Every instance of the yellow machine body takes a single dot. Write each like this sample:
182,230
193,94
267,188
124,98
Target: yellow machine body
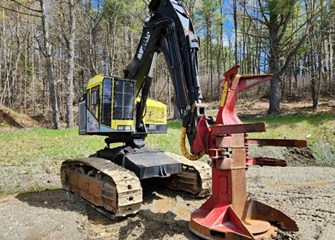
155,116
108,107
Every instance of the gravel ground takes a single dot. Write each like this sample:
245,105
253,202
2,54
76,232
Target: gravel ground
307,194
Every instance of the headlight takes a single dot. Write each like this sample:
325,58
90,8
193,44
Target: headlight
124,128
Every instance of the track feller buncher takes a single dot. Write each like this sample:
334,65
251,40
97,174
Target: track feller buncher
119,109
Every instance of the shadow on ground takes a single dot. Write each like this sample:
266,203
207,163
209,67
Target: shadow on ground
144,225
54,199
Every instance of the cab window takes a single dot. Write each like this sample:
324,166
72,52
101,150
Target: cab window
106,101
95,102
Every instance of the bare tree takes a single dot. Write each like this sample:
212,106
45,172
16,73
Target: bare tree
276,16
46,49
68,26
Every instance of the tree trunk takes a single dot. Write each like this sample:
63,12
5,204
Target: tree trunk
275,84
235,31
275,94
33,79
70,68
49,65
332,47
211,67
219,60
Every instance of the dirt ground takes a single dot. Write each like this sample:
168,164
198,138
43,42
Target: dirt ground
306,194
10,119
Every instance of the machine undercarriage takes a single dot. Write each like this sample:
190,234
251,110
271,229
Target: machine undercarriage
111,178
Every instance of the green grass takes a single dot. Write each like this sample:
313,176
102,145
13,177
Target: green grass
29,147
167,142
317,128
50,147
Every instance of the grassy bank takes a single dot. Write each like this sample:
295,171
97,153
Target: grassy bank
317,129
26,147
36,146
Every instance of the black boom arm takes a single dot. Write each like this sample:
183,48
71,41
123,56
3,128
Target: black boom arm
168,29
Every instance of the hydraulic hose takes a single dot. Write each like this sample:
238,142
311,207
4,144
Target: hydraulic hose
184,150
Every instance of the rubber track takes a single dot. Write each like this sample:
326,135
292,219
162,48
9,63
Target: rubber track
195,178
113,187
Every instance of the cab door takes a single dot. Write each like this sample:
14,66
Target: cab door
95,100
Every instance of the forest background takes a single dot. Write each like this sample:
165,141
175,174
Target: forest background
50,48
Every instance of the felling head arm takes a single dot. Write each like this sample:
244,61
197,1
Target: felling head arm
232,84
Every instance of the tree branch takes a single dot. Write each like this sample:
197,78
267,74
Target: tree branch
296,48
23,13
31,9
40,48
263,14
253,18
